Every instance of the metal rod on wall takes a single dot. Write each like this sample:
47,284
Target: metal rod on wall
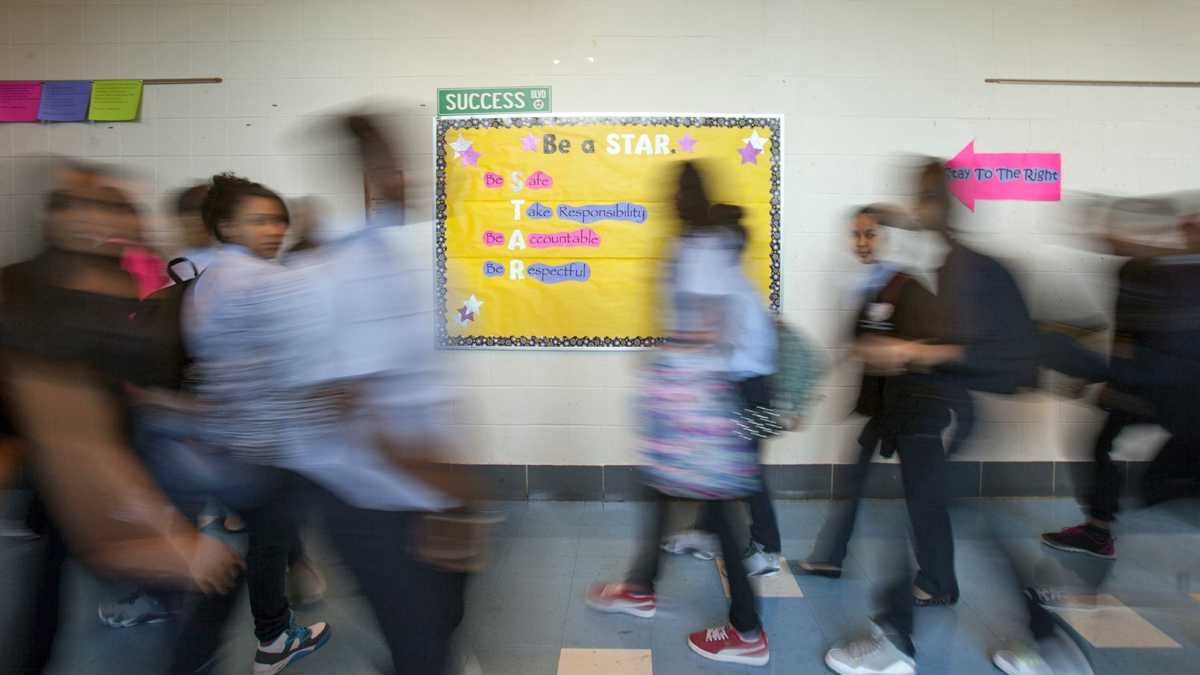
1174,84
185,80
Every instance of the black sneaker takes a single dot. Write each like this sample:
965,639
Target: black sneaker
922,598
1092,541
295,643
818,569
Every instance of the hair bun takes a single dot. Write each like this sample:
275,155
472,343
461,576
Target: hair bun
725,214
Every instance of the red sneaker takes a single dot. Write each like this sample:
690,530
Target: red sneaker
1082,539
621,599
723,643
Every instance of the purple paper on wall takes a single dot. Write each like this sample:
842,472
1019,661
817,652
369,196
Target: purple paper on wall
65,100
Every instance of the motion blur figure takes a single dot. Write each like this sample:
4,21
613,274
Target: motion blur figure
985,341
71,355
239,411
713,313
750,343
343,400
1154,357
892,303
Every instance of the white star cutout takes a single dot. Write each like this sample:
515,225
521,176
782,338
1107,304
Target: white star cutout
757,142
473,304
460,146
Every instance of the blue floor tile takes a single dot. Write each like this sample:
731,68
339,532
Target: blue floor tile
529,604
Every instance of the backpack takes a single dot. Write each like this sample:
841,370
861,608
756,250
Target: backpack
799,366
688,438
159,319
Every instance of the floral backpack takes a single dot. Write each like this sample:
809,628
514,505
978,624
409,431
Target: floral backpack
689,444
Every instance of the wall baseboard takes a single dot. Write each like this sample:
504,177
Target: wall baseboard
519,482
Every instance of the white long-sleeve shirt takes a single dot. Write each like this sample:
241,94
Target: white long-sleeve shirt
708,266
303,367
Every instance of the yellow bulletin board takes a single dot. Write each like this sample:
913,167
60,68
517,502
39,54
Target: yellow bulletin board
552,231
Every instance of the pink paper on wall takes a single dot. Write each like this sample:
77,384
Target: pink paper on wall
19,100
1021,176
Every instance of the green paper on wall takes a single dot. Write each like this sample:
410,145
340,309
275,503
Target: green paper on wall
115,100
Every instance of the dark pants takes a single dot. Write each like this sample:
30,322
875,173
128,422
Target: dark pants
1175,471
923,470
418,606
32,643
267,510
834,537
1104,500
719,515
764,526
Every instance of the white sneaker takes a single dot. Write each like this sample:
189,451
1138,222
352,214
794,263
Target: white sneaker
759,563
873,654
293,644
1019,658
701,545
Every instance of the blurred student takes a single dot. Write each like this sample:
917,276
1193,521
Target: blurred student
749,342
345,401
71,350
1155,316
250,221
896,304
199,245
708,323
983,340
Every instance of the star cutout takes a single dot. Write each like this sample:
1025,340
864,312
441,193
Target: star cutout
749,153
464,316
529,142
755,140
687,143
470,156
460,146
473,304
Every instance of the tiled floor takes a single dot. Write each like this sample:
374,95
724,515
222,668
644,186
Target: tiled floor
526,615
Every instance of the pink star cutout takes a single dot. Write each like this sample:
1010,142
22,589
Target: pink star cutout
687,143
465,315
749,154
470,156
529,142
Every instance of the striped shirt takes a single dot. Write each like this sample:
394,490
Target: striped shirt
303,366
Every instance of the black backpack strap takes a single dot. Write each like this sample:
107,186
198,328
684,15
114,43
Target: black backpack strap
891,291
176,261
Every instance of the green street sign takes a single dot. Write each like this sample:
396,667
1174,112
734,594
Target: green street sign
493,101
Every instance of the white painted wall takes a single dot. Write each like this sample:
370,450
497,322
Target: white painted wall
860,82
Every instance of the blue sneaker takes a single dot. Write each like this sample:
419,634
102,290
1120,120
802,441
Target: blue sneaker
133,610
293,644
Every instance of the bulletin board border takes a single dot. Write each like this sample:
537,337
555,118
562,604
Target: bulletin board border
444,124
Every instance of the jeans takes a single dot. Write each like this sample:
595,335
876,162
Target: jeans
36,627
417,606
834,536
923,471
269,529
719,515
1104,500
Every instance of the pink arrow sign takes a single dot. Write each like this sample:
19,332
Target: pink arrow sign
1024,176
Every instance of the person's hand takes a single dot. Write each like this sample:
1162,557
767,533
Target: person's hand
214,567
884,355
